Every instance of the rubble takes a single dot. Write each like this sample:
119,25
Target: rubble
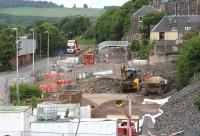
180,114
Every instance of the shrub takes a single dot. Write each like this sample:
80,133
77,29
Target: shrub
26,91
197,102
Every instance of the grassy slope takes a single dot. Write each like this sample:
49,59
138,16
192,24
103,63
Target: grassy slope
52,12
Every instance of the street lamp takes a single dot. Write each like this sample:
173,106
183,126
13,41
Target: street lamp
17,64
33,50
47,32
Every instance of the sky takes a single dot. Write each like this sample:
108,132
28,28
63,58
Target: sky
90,3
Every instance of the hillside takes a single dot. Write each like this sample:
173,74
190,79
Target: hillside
52,12
10,19
27,3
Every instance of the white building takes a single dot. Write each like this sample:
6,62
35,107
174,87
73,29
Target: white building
15,120
68,127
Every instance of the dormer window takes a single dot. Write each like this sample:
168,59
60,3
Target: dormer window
140,18
187,28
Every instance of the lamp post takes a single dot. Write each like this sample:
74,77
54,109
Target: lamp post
17,65
47,32
33,50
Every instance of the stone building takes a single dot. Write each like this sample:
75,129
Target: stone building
137,22
178,7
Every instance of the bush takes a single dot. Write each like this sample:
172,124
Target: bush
34,102
26,91
197,102
188,62
145,48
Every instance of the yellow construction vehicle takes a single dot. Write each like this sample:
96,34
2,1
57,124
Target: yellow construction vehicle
130,78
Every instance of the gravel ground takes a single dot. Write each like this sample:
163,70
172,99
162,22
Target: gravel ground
180,114
109,108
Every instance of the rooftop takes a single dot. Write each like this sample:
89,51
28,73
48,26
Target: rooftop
144,10
14,108
178,23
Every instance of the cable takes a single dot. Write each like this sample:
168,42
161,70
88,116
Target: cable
79,120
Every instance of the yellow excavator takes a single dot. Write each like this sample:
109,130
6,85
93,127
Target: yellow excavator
130,78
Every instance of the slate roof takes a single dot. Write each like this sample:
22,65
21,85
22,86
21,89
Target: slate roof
173,1
144,10
177,23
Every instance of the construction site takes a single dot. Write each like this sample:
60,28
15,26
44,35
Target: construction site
115,85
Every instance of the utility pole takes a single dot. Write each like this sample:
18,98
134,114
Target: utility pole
47,32
17,64
40,46
130,113
33,50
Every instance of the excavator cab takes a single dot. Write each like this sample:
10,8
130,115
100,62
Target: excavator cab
130,78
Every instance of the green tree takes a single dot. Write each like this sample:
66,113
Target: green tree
151,19
114,24
7,47
56,38
75,26
188,62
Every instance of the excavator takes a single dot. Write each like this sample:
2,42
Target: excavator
130,78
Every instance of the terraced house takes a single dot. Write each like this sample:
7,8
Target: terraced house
178,7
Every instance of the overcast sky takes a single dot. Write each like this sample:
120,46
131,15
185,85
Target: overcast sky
90,3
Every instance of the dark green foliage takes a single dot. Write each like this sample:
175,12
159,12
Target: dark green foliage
150,19
142,49
27,3
56,39
26,91
74,26
115,23
197,102
34,102
188,62
135,45
89,33
7,47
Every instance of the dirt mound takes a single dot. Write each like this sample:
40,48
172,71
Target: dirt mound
180,114
109,108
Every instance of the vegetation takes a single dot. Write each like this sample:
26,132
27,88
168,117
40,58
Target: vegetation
24,20
26,91
188,62
75,26
84,41
7,47
34,102
150,19
27,3
197,102
52,12
114,24
142,49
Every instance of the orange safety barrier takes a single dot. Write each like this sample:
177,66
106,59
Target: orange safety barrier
49,87
53,76
65,82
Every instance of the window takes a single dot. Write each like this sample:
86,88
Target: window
162,35
187,28
140,18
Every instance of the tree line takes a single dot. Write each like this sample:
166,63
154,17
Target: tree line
59,33
27,3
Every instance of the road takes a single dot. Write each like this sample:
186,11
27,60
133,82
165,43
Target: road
24,74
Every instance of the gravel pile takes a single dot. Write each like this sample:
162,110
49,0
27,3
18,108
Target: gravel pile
180,114
101,85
